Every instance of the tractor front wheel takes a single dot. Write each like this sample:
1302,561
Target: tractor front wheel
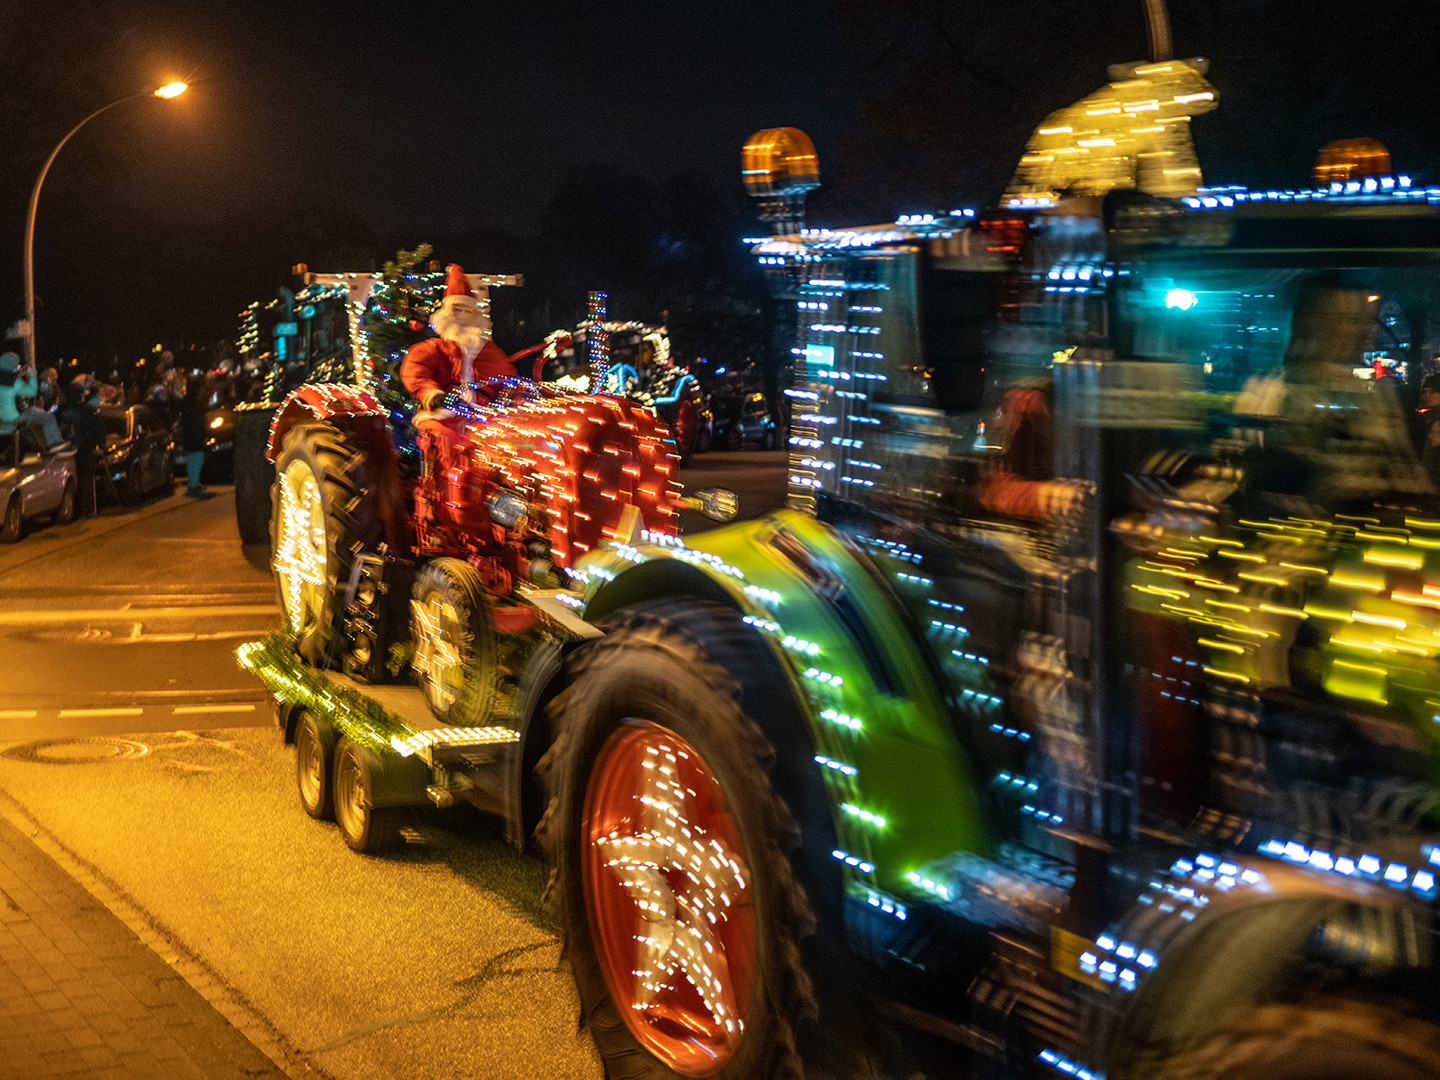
454,635
682,912
1319,1039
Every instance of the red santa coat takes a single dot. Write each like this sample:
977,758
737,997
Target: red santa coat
437,364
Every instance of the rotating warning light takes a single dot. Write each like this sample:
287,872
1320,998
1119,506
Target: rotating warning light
1183,299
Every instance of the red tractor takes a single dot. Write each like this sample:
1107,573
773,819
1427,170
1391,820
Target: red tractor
458,544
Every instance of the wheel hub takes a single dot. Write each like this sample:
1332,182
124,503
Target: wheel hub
437,654
312,762
300,547
668,898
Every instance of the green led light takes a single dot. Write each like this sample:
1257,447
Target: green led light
867,816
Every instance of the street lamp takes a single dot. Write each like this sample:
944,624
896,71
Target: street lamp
169,90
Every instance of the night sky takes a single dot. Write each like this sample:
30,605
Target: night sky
447,115
341,131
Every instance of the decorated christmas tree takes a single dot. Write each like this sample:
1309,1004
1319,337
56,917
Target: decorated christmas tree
398,315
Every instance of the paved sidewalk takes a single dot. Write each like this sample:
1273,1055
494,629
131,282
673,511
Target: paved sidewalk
82,996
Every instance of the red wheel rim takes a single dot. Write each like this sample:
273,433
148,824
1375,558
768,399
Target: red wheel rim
668,898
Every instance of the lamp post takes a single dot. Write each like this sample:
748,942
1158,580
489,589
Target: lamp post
169,90
1158,19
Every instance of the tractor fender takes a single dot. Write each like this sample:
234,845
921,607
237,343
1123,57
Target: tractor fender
335,402
1215,933
364,419
665,579
544,677
882,739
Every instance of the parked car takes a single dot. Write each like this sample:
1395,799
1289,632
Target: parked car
749,420
139,451
220,437
37,477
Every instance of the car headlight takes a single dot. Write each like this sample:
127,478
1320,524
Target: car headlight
506,508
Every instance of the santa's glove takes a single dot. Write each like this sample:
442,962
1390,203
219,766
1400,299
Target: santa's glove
430,398
459,400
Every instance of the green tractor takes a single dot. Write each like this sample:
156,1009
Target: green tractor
1082,711
1086,705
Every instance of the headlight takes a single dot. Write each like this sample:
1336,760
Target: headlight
506,508
217,422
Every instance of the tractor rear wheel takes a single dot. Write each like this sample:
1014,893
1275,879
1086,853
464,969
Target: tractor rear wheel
1321,1039
326,513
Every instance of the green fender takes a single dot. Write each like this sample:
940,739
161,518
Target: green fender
903,789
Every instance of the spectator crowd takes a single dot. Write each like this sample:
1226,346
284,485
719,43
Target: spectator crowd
69,412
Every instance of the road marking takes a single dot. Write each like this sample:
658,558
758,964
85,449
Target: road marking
14,618
18,714
181,710
102,712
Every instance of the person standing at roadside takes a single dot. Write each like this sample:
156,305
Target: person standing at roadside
192,432
80,424
51,393
15,382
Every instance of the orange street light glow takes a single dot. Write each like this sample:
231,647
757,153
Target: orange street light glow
170,90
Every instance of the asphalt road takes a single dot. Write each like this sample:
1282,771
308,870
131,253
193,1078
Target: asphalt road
129,736
128,621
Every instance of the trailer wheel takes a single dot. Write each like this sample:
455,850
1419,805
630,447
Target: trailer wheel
325,513
682,911
314,764
1329,1039
367,828
454,633
686,430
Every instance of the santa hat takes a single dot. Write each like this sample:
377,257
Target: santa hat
459,305
456,283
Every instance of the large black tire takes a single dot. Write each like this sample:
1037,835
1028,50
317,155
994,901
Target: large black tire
686,429
314,766
326,511
695,671
12,524
1327,1039
254,475
365,827
454,660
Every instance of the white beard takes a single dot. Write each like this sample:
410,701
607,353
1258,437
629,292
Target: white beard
470,340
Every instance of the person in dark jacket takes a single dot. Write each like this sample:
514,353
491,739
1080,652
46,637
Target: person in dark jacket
193,408
80,424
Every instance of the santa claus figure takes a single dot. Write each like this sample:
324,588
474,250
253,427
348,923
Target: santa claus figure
462,358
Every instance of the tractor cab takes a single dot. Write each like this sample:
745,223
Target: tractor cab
1144,473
